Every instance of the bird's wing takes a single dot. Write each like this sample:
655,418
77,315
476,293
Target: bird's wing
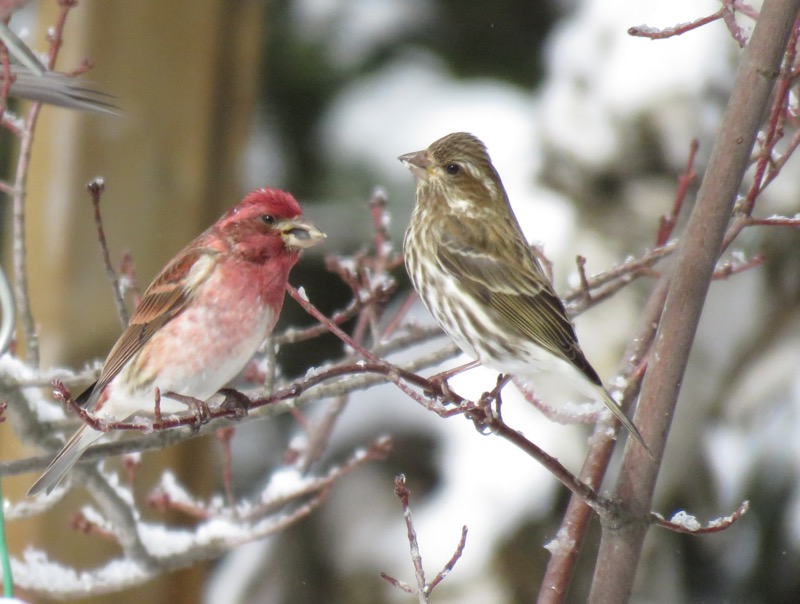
166,297
506,277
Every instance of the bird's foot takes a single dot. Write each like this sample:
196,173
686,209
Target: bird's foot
442,388
488,410
199,409
62,393
439,389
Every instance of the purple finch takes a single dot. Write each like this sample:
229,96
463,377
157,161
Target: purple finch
472,267
200,321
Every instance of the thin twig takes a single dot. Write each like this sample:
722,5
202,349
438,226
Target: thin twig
225,437
424,589
20,197
96,189
668,221
684,523
774,131
644,31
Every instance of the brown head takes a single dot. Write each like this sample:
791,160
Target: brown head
457,169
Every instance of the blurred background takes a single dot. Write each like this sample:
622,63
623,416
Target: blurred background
589,129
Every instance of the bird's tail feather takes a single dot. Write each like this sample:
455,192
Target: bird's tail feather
620,415
66,458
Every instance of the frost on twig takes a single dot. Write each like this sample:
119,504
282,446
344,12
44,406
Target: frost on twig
424,588
368,361
385,346
287,497
681,522
726,13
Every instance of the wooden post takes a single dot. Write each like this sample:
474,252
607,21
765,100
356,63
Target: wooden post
185,75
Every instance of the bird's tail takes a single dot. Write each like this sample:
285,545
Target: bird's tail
620,415
61,90
66,458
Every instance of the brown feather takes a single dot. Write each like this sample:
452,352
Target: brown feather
505,280
166,297
463,228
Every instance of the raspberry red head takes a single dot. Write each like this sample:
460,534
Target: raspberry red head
265,224
279,204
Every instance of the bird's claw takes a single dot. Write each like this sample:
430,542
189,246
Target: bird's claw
487,412
482,417
199,409
440,389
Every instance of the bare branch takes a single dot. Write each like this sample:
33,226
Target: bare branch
96,189
643,31
681,522
700,247
424,589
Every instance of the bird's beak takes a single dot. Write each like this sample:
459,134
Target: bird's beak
300,233
419,162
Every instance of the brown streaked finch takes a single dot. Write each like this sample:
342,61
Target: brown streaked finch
200,321
469,261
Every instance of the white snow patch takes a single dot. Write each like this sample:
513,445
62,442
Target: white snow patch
561,545
687,521
284,482
36,571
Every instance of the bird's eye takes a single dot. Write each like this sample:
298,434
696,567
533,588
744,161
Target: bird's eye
452,169
267,219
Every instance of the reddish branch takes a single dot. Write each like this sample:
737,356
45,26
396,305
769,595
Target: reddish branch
367,275
261,507
486,417
701,245
775,127
727,13
652,33
482,414
576,518
225,436
19,189
424,588
681,523
668,221
96,189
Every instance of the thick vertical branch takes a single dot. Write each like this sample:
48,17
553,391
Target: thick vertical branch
576,519
621,542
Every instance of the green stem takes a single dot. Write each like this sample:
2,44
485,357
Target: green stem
8,579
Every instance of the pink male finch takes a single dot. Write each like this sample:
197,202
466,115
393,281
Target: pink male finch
472,267
200,321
